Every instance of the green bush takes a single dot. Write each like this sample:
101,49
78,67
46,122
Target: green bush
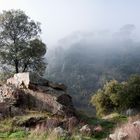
115,96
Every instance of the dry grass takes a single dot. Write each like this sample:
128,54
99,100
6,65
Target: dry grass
132,131
134,118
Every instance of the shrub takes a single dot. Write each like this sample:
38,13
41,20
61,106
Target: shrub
115,96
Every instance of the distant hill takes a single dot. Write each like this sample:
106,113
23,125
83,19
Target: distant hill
85,61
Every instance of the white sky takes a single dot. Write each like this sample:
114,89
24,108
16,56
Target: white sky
60,18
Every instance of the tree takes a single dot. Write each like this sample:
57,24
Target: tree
107,100
132,92
20,43
115,96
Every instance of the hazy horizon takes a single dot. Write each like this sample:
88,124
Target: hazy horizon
61,18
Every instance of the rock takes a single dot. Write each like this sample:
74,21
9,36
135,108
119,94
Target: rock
41,101
122,135
60,132
1,116
58,86
86,130
66,101
118,136
9,110
4,110
50,124
9,94
20,79
72,123
29,91
47,101
112,137
23,80
131,112
68,124
136,123
28,122
98,129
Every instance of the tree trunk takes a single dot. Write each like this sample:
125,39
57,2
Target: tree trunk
16,66
25,68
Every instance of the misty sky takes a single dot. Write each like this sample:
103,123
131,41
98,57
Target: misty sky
60,18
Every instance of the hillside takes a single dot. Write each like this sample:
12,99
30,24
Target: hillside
85,61
34,108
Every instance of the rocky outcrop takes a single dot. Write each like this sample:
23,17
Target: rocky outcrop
26,90
60,132
86,130
136,123
129,131
118,136
24,80
8,110
20,79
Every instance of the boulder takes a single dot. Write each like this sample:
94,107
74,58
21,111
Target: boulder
131,112
29,121
60,132
71,123
86,130
9,94
19,79
4,110
98,128
118,136
28,90
48,124
136,123
9,111
23,80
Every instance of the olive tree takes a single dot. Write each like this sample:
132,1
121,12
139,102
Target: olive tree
20,43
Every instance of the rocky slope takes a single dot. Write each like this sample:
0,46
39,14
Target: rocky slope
29,91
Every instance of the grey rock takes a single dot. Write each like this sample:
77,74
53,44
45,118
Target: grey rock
118,136
26,90
136,123
60,132
86,130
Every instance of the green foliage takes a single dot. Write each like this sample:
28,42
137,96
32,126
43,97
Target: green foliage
107,99
130,94
115,96
18,134
9,130
86,66
20,44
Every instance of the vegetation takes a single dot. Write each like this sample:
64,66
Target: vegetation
115,96
21,50
84,64
20,43
9,130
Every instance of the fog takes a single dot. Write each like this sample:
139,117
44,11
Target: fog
61,18
84,61
101,41
88,41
